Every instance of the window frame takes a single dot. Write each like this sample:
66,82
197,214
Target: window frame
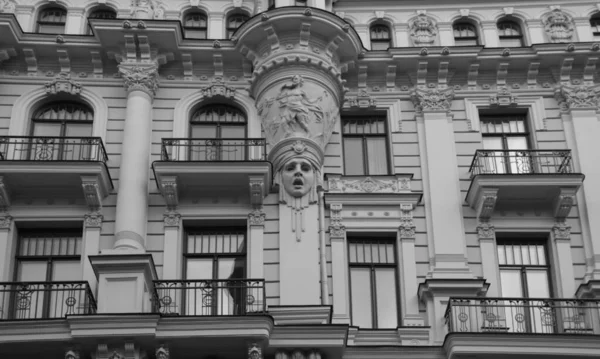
230,30
374,238
517,26
595,24
195,28
96,10
458,39
375,40
40,24
365,154
63,122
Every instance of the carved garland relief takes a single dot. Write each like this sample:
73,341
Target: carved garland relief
423,30
558,26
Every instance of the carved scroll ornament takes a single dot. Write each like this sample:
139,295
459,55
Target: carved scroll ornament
423,30
558,26
577,97
432,100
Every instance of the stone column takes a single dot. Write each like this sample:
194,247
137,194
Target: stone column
7,247
92,226
339,265
298,89
490,34
561,236
444,202
581,104
256,236
489,259
408,283
141,82
173,246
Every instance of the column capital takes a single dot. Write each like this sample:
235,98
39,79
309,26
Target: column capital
432,100
5,221
140,76
93,220
486,230
256,218
579,97
561,230
171,219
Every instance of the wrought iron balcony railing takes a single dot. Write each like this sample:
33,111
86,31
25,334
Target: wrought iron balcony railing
523,315
42,148
214,149
45,300
221,297
486,162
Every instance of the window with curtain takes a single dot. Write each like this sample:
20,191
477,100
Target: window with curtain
101,13
218,133
45,256
525,273
234,21
52,21
61,121
195,25
373,282
595,25
215,259
365,145
510,34
465,34
380,37
509,135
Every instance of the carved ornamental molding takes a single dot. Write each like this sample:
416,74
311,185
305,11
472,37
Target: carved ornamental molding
561,230
128,351
91,193
423,30
577,97
486,203
432,100
407,226
254,351
564,202
368,185
5,221
140,77
168,188
62,83
93,220
256,218
558,26
218,89
485,230
171,219
163,353
336,227
298,354
7,6
503,98
361,100
147,9
72,354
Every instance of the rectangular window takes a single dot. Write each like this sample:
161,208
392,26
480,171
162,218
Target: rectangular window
215,265
373,283
509,135
365,145
48,276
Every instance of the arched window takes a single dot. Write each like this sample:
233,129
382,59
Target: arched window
380,37
234,21
101,13
595,24
195,25
52,20
218,133
61,131
465,34
510,34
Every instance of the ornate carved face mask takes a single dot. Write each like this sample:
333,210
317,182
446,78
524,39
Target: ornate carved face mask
298,177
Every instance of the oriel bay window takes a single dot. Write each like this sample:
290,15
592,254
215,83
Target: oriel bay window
373,282
365,145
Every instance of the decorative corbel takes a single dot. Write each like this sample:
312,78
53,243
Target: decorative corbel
31,61
257,190
186,62
443,75
501,73
532,74
422,74
590,70
91,192
565,70
407,226
168,188
304,35
362,76
64,60
97,63
472,76
390,77
163,352
563,203
486,203
218,64
4,196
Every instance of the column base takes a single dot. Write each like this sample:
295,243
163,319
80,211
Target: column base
124,282
301,314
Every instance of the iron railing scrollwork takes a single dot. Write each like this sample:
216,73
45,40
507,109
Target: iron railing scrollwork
214,149
523,315
487,162
44,148
45,300
219,297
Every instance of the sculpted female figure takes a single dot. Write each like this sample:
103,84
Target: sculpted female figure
296,107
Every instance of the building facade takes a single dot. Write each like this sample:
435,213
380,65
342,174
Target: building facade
299,179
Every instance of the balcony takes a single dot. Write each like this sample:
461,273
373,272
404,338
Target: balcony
192,167
225,297
493,327
506,180
45,300
34,167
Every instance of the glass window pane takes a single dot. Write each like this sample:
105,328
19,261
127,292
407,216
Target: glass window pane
525,254
32,271
387,308
46,129
517,143
537,283
203,131
360,281
510,280
501,255
199,268
78,130
377,155
353,156
541,254
66,271
352,253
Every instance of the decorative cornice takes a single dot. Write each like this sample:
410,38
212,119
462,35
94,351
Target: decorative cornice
62,83
256,218
577,97
93,220
380,184
171,219
432,99
140,77
485,230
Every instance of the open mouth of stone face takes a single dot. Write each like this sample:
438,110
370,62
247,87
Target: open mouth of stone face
298,182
